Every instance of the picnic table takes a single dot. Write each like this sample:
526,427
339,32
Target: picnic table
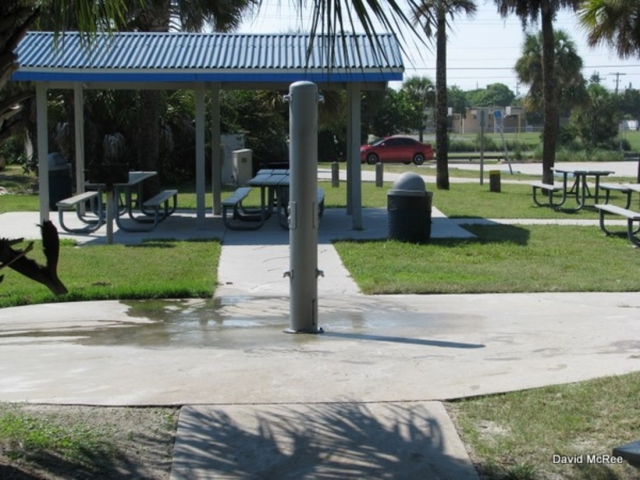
124,195
274,189
579,189
274,193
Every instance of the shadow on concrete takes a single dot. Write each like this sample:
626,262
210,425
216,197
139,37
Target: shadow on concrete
411,341
330,441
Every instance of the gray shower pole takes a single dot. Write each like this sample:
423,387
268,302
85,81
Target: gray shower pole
303,208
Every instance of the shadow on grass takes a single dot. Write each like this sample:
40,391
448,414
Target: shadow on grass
104,462
493,232
485,232
168,242
341,441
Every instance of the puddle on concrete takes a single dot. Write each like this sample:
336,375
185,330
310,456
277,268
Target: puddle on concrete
236,322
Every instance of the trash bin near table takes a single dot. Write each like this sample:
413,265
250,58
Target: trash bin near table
60,179
409,209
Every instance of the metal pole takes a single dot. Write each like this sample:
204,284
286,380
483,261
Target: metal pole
335,175
483,117
379,174
303,208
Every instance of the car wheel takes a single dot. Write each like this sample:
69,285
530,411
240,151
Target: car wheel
372,159
418,159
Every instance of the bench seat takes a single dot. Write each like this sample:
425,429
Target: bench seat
234,203
162,199
155,209
630,215
284,221
78,202
550,189
630,452
616,187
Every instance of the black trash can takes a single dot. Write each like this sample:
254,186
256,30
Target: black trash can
409,210
60,179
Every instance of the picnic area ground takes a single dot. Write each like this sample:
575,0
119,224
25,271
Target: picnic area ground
520,340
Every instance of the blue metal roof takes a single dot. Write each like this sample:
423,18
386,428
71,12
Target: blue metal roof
207,57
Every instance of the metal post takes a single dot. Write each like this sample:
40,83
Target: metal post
43,149
483,118
379,174
494,181
335,175
303,208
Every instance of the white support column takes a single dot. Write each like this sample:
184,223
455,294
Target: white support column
354,180
200,157
216,152
78,105
43,149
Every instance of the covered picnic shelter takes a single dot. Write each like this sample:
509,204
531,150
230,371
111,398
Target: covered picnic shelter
201,62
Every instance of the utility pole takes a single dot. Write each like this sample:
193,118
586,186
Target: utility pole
617,74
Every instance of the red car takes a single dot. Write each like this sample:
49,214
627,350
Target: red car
396,149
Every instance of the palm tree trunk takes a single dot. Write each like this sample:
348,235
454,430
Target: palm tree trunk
551,120
153,18
442,138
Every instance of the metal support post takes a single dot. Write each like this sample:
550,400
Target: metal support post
379,174
303,208
335,175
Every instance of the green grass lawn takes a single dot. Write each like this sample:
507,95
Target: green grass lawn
154,269
515,435
503,259
467,200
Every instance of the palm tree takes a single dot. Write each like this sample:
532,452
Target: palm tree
17,16
570,84
545,12
422,94
162,16
613,22
431,16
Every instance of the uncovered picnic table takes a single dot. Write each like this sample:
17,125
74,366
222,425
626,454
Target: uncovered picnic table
580,188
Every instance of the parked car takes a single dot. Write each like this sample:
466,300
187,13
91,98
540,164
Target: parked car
396,149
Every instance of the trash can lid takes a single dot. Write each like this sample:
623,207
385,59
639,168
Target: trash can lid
57,162
409,184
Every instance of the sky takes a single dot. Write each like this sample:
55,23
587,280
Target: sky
481,50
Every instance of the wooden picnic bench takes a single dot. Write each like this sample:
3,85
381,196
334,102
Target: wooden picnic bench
630,215
78,202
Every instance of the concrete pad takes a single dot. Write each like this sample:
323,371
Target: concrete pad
391,440
374,349
335,225
267,264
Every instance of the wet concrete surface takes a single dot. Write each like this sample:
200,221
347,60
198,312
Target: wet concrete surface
227,322
375,349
